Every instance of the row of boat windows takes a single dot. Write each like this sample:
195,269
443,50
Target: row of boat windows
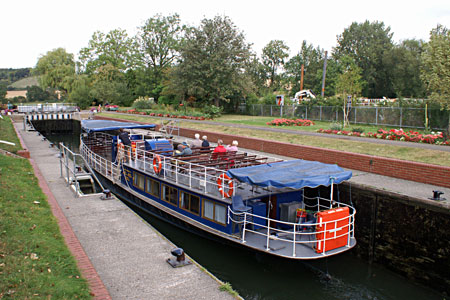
211,210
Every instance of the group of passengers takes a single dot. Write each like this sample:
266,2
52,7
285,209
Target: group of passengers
185,149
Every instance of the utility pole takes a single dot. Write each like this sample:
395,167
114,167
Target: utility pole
301,78
324,73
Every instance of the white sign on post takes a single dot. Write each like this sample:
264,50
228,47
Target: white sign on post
280,100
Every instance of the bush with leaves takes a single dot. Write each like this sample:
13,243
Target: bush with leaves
143,103
212,111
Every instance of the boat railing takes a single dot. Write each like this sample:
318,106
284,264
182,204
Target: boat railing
203,176
294,234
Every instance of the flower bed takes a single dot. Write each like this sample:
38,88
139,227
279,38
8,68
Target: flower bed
436,138
153,114
290,122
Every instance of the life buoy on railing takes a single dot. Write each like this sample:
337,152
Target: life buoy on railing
133,150
224,179
157,165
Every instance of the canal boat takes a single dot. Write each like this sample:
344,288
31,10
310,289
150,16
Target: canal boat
255,201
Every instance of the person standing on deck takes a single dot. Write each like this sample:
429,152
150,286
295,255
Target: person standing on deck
123,135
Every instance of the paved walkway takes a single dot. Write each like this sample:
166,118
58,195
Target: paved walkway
120,255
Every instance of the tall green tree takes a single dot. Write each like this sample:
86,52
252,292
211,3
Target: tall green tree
312,60
213,58
158,42
56,69
114,48
349,84
367,44
405,64
436,68
109,86
274,55
80,93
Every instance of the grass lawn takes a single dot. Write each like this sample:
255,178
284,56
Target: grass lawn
35,262
261,121
7,133
400,152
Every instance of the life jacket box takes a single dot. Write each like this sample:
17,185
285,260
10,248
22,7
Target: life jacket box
333,225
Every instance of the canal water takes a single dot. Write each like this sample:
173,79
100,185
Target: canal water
257,276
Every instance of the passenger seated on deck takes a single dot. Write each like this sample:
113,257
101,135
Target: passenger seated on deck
205,142
183,150
197,143
233,147
220,148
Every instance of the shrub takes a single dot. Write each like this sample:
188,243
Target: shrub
336,126
358,129
143,103
212,111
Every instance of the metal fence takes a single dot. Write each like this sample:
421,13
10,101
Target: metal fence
380,116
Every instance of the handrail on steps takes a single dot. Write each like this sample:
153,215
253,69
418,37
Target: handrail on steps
64,160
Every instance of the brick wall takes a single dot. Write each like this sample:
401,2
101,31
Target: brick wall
413,171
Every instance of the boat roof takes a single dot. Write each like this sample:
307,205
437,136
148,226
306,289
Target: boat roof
105,125
295,174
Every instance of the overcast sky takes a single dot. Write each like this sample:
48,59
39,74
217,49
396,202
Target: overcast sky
31,28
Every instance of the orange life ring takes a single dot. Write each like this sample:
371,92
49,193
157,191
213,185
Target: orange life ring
224,178
157,165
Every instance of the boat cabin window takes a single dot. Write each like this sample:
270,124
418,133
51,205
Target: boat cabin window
169,194
190,202
139,181
152,187
214,211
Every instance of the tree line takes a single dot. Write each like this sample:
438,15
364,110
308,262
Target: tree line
213,64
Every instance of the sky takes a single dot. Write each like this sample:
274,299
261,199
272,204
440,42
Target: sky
31,28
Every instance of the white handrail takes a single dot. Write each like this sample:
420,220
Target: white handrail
250,219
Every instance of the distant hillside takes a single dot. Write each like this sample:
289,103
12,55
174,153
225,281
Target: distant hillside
23,83
9,76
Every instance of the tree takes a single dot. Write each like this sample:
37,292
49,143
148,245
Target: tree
213,59
312,60
3,90
405,64
56,69
109,86
436,68
36,94
158,42
81,91
349,84
114,48
273,56
367,43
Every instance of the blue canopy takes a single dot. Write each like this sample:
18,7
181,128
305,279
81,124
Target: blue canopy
105,125
295,174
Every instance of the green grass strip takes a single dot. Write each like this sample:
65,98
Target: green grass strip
7,133
35,262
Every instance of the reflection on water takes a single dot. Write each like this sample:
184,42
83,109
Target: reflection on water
258,276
